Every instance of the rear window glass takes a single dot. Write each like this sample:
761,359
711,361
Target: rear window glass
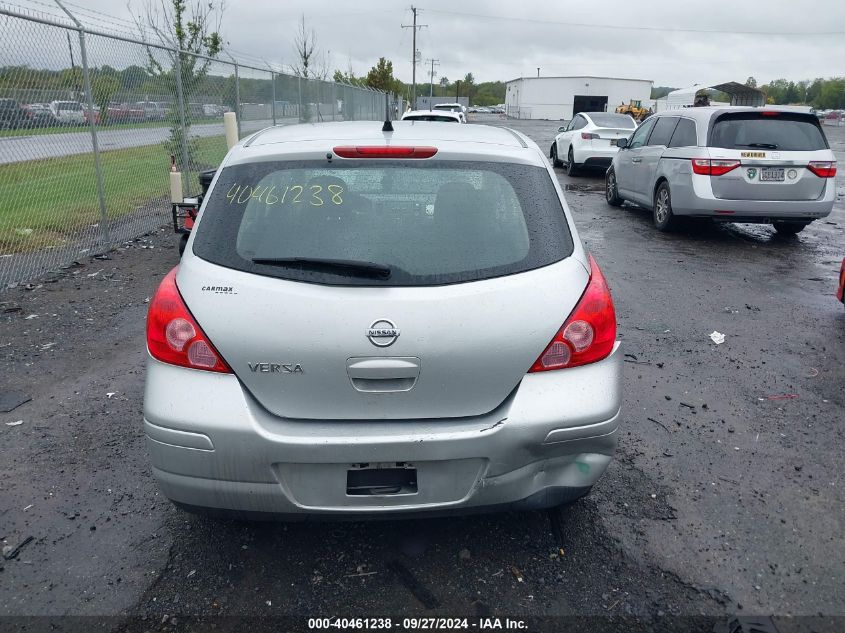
783,131
431,223
613,120
431,117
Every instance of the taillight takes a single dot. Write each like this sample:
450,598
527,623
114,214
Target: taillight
174,336
713,167
588,136
384,151
588,334
823,168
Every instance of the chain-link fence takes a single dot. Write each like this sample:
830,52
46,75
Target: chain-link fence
89,121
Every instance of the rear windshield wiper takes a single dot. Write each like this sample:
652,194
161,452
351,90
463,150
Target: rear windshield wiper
348,266
760,145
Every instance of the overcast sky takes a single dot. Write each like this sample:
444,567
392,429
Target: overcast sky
498,39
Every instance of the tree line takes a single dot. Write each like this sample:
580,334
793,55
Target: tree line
822,94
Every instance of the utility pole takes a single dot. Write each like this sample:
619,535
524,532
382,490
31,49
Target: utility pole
431,81
415,27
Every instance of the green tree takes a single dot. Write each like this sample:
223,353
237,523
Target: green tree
194,27
132,77
468,86
381,76
832,95
103,88
751,82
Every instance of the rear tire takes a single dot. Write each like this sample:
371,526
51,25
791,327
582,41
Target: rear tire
611,189
572,169
664,219
789,228
556,162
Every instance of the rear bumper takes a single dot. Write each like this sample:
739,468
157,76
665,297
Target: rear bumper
594,157
212,446
693,196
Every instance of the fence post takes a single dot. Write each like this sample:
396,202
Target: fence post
180,97
98,170
238,112
238,98
273,79
299,92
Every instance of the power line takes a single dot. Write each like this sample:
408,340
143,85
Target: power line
434,62
634,28
415,28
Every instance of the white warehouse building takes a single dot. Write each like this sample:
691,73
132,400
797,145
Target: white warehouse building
558,98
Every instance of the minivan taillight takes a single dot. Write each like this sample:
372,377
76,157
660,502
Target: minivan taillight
174,336
823,168
588,334
713,167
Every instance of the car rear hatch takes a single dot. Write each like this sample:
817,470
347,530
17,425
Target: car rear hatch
381,289
608,128
603,138
768,155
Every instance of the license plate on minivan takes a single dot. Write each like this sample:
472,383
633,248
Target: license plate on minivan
772,174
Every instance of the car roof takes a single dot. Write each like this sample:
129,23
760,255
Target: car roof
403,131
312,140
705,113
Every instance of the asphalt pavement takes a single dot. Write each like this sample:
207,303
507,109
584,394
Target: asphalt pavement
726,496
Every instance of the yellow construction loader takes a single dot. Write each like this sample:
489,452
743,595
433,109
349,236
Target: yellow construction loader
634,108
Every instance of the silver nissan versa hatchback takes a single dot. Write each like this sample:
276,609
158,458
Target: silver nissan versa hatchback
371,322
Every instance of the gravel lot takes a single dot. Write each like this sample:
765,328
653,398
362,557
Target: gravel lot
726,496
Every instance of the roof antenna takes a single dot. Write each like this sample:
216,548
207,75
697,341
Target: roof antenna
388,126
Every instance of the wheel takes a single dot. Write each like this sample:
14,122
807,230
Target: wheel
556,162
664,219
571,168
611,192
789,228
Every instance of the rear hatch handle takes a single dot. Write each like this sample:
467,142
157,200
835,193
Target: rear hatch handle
385,374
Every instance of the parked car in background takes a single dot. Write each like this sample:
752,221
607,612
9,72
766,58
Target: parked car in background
734,164
40,114
466,356
126,113
12,115
88,114
153,111
589,140
452,107
835,117
212,110
443,116
67,112
196,111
